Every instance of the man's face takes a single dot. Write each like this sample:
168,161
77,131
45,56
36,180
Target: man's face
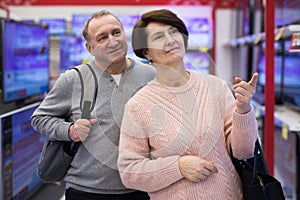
107,40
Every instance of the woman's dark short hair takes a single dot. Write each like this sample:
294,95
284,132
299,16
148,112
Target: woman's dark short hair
164,16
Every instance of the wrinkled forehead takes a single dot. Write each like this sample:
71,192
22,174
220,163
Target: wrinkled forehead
154,27
105,21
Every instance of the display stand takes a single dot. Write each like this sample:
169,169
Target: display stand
287,151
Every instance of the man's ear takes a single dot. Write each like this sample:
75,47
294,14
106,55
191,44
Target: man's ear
89,48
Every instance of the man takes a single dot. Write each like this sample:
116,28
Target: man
93,173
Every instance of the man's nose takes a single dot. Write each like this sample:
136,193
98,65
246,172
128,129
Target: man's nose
112,41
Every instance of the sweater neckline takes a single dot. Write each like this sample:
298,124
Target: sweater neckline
188,85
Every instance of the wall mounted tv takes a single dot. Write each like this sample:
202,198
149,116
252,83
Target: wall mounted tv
24,61
292,78
55,26
78,22
72,52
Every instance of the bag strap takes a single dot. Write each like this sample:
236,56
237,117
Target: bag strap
89,89
258,150
88,97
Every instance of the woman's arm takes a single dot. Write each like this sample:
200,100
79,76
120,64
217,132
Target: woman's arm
137,169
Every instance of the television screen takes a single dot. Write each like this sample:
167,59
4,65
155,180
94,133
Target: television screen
200,32
25,60
72,52
21,148
29,21
128,22
292,80
261,69
78,22
55,26
198,62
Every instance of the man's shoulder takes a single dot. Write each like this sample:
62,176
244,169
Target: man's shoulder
138,65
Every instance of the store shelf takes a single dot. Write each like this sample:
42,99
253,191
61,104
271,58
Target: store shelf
287,117
254,39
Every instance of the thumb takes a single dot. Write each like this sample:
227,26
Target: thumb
253,80
93,121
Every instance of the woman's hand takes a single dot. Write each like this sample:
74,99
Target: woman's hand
80,130
195,168
244,91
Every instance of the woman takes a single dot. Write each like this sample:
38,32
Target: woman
177,131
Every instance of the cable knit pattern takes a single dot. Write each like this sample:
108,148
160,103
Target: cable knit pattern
162,123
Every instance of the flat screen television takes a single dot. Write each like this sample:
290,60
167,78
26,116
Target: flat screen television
72,52
24,61
21,148
200,32
77,23
128,22
292,80
55,26
197,62
278,89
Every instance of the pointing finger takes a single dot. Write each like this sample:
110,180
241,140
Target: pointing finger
253,80
237,79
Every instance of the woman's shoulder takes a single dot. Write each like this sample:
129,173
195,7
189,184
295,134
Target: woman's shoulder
209,78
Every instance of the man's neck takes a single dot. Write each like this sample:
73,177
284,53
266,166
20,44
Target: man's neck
116,68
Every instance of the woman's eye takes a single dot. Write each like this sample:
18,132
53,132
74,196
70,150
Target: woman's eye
173,31
157,36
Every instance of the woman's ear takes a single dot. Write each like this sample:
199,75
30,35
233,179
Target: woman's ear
145,53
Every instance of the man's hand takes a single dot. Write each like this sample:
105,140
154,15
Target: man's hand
80,130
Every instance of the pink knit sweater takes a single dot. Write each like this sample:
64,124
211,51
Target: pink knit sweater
162,123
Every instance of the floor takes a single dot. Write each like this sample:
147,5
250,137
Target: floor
49,191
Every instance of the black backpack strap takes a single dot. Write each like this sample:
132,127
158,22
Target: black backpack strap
89,89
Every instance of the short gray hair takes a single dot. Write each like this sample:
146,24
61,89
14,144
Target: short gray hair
96,15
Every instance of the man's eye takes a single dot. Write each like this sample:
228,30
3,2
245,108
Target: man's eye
101,39
117,33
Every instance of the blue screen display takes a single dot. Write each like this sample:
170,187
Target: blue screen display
21,148
25,63
292,79
72,52
55,26
78,22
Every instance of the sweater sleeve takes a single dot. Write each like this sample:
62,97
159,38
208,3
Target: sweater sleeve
50,117
137,169
240,129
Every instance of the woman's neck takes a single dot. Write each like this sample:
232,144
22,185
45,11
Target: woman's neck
172,77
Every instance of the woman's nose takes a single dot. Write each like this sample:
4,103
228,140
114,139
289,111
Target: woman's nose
169,39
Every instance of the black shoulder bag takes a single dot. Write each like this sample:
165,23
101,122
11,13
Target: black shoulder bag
257,183
57,156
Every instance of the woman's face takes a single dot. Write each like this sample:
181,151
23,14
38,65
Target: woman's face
165,44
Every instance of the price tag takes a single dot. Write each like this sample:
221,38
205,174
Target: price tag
284,131
295,43
257,112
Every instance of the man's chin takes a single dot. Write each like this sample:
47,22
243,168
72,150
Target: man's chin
119,59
